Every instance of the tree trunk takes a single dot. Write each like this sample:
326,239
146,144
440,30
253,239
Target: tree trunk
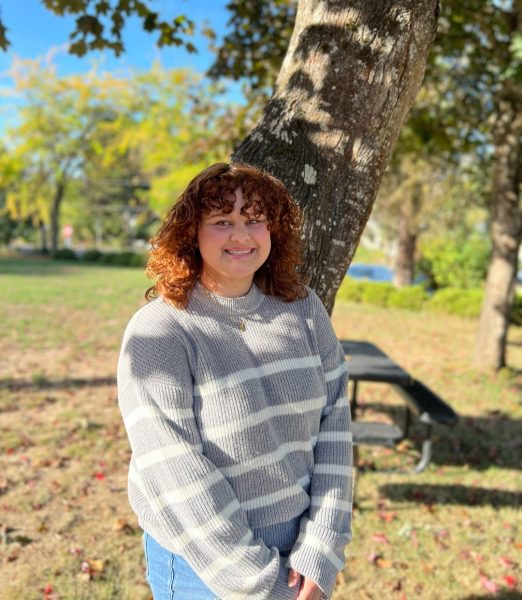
405,260
349,78
55,215
506,234
43,237
407,233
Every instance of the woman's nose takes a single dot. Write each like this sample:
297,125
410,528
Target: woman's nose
239,232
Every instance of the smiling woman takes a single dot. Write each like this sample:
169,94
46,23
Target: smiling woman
232,387
233,247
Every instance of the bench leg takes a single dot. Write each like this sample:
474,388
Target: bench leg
406,427
353,399
426,451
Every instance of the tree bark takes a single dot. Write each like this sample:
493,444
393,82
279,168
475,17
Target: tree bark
55,215
349,78
407,233
405,260
506,235
43,237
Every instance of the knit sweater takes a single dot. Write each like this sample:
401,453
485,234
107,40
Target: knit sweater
239,425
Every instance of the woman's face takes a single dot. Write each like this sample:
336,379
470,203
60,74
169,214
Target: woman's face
233,247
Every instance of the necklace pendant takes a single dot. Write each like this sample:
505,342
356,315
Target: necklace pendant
242,325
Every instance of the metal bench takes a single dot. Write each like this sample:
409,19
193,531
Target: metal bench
375,434
429,409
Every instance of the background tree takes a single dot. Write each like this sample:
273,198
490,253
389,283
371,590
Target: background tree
482,44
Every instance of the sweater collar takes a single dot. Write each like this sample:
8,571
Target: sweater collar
242,305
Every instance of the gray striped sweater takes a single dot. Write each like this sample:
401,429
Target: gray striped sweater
239,425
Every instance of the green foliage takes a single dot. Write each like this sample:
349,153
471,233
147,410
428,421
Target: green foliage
457,301
456,263
65,254
121,259
92,255
411,298
259,33
351,290
99,25
377,293
453,301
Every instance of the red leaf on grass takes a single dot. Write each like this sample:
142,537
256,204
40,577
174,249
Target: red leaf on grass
381,538
490,585
506,561
48,589
387,517
510,581
99,475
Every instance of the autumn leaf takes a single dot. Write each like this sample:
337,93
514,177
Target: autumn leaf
490,585
373,556
510,581
99,475
122,525
381,538
387,517
506,561
383,563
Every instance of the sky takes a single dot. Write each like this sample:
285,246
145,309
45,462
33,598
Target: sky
35,31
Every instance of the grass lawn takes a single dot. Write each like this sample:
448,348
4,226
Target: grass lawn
67,532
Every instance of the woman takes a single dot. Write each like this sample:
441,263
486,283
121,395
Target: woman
232,388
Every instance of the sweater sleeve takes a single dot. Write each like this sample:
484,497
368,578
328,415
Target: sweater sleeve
325,531
196,510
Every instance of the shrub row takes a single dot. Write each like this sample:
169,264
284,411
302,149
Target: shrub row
122,259
454,301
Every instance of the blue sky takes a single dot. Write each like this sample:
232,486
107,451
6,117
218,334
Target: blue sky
35,31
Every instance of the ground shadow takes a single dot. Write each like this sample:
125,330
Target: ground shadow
477,442
15,385
501,595
451,494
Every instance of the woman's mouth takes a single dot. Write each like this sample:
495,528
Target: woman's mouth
240,252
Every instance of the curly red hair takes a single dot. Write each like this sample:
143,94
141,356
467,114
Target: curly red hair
175,261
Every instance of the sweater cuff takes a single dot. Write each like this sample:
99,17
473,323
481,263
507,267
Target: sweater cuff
318,554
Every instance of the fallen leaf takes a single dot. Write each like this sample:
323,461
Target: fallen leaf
383,563
381,538
506,561
387,517
97,565
490,585
99,475
427,567
510,581
122,525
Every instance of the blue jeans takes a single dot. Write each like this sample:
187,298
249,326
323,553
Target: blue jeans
170,576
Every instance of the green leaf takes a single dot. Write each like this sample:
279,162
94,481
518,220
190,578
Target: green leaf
4,41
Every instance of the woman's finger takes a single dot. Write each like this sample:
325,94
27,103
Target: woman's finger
293,577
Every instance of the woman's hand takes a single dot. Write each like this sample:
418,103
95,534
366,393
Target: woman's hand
308,590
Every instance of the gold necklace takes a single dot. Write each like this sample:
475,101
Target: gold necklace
235,316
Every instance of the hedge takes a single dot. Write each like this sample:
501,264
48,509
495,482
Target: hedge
121,259
453,301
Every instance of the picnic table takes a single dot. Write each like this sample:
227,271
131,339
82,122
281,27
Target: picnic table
367,362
